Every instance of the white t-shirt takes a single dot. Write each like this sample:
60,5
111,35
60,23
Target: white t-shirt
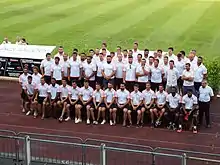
119,69
36,78
148,96
161,97
136,97
89,69
156,74
199,72
75,67
142,79
130,70
189,101
57,71
172,77
99,65
53,90
172,57
23,78
74,93
122,96
30,88
86,93
205,94
109,95
42,89
109,69
173,101
64,91
98,95
180,66
66,66
189,73
47,66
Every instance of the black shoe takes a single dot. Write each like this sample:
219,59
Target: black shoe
129,125
137,125
173,126
170,126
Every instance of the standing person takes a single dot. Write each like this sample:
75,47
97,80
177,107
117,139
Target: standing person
98,105
96,56
129,74
99,64
190,110
136,105
60,53
29,89
109,99
171,56
125,56
89,71
142,73
64,100
173,103
160,104
57,71
188,79
160,56
45,67
104,48
53,97
6,41
165,67
86,98
119,65
148,103
180,66
75,69
135,51
205,97
122,101
200,72
36,76
157,74
40,97
146,55
74,101
139,58
66,67
23,79
108,72
172,75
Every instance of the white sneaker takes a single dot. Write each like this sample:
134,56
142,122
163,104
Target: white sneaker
28,113
76,120
35,114
95,122
23,110
67,119
103,122
80,120
88,121
111,123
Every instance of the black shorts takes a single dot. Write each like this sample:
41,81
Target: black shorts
142,86
152,106
78,101
27,100
99,80
40,100
118,82
101,105
23,95
112,106
138,108
67,100
47,79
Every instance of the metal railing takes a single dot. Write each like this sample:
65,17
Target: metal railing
29,148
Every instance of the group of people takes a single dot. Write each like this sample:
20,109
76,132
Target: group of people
120,87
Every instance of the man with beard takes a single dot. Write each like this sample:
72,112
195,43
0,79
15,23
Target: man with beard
45,67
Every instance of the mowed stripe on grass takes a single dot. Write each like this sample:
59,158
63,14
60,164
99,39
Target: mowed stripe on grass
184,24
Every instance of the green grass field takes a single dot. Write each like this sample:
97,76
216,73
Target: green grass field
84,24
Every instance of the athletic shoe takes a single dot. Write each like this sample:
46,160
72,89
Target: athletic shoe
114,122
103,122
124,124
60,120
179,130
111,123
95,122
76,120
79,120
195,130
28,113
68,119
23,110
169,126
87,121
137,125
35,114
174,126
142,125
129,125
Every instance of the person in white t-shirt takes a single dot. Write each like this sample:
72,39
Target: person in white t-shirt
170,54
119,65
57,71
60,54
89,71
75,69
108,72
122,101
180,66
99,65
173,102
29,90
104,49
129,74
85,97
139,58
136,98
64,100
190,111
146,55
96,56
6,41
40,97
66,67
36,76
45,67
135,51
165,67
160,56
188,79
142,73
160,104
98,105
74,101
148,102
109,99
125,56
22,81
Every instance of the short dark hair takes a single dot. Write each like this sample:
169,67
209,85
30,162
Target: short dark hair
63,79
159,50
200,57
91,50
136,43
57,58
161,85
171,48
188,64
140,55
130,56
105,44
75,53
53,79
157,60
151,57
165,57
29,77
109,56
75,50
125,50
183,52
35,67
172,61
136,85
104,49
146,50
73,81
179,55
60,46
119,47
122,84
112,53
48,54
